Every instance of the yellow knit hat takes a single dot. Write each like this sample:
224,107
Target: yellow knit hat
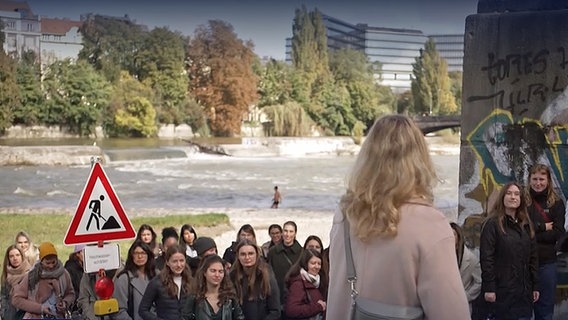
46,249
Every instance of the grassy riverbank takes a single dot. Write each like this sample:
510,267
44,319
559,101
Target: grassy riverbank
52,227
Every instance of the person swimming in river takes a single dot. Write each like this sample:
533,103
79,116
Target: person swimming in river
276,199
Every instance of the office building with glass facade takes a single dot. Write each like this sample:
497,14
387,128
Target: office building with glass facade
395,49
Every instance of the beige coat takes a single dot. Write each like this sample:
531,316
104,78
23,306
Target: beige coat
470,272
415,268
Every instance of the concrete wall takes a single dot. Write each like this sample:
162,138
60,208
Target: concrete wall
515,103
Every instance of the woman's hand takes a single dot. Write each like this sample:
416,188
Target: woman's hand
322,304
490,296
548,226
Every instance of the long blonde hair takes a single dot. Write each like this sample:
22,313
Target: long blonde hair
393,167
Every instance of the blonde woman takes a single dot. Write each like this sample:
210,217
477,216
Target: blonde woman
399,240
25,244
546,211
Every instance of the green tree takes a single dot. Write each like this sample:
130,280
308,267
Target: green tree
9,91
456,78
161,65
404,103
431,86
2,34
110,44
130,112
288,119
276,84
75,96
221,76
353,71
31,110
311,63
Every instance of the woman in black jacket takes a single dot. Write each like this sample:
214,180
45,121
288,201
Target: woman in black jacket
508,257
255,283
169,290
546,210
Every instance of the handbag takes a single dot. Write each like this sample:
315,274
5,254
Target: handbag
367,309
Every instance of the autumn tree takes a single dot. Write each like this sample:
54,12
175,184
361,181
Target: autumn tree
221,76
431,85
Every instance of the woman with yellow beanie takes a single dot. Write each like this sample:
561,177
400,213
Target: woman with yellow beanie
46,290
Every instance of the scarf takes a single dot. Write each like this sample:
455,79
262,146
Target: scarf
315,280
15,275
39,273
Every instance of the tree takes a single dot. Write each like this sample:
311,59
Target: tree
289,119
311,64
160,64
353,71
9,91
431,83
130,112
221,76
404,103
75,96
110,44
276,84
2,34
32,108
456,78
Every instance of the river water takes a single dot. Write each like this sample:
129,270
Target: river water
158,176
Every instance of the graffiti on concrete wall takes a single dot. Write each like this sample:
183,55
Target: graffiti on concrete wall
527,123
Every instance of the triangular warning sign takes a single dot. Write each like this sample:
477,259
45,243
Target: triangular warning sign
99,215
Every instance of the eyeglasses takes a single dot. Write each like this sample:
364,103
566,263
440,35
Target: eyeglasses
138,253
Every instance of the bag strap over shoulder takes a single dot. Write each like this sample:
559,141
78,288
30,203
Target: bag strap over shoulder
130,304
351,274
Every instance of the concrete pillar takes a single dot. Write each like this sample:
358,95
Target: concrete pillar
515,101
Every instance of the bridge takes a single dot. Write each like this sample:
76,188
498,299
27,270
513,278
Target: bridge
430,124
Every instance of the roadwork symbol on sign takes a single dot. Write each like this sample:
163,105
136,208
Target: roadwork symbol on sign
99,215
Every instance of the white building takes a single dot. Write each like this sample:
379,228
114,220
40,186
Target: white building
60,39
21,28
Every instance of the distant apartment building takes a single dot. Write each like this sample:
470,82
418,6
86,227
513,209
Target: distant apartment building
60,39
396,49
21,27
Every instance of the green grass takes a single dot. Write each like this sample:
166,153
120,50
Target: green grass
52,228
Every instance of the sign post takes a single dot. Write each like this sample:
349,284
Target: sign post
100,217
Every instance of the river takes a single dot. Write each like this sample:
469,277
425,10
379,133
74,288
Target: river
151,174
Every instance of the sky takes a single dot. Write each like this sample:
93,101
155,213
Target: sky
269,22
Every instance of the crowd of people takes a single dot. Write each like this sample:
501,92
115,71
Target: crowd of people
405,254
180,276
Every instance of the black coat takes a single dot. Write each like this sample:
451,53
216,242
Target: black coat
166,307
261,308
281,258
230,254
546,240
509,265
75,270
